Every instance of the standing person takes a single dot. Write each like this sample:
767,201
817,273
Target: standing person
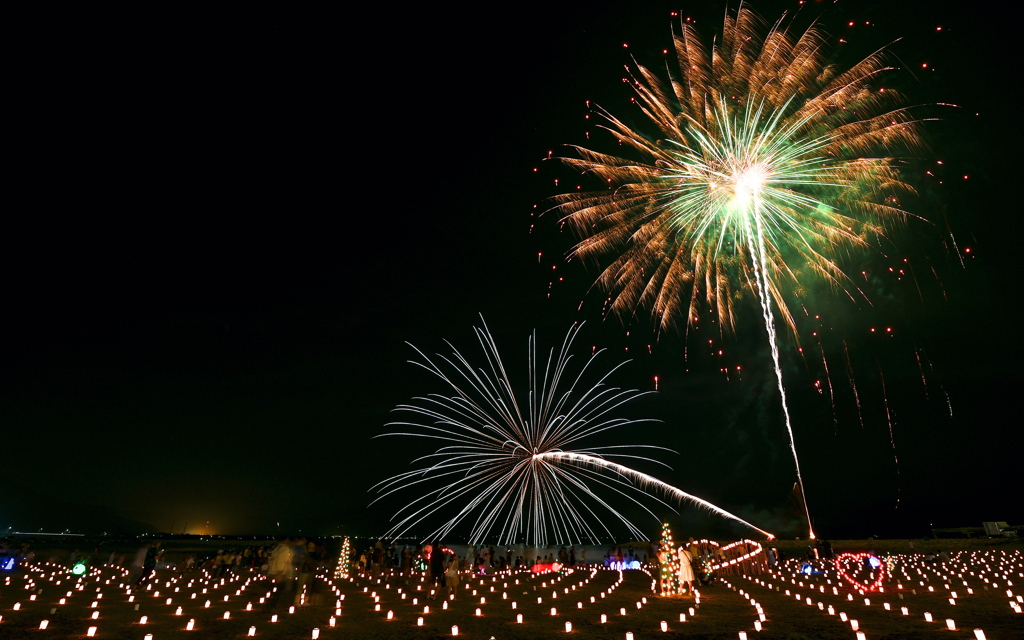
406,562
282,573
305,566
451,576
436,569
485,560
686,569
135,573
318,557
662,561
149,564
377,557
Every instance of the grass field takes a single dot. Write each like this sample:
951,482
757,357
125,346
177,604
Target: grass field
983,582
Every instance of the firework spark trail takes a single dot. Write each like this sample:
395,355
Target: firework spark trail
518,467
924,380
764,165
769,323
831,391
645,479
917,284
853,383
892,437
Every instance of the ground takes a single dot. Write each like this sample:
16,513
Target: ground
994,578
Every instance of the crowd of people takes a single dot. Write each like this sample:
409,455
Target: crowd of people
290,564
482,560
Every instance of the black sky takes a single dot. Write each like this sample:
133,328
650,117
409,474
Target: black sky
222,230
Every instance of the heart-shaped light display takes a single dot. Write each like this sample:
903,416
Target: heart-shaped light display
843,560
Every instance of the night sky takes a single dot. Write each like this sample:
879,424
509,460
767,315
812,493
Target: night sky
222,230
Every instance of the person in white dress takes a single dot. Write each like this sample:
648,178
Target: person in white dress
685,569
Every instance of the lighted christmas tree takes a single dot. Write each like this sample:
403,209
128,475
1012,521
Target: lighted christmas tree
669,563
344,560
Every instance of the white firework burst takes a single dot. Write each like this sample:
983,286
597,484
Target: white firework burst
521,467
